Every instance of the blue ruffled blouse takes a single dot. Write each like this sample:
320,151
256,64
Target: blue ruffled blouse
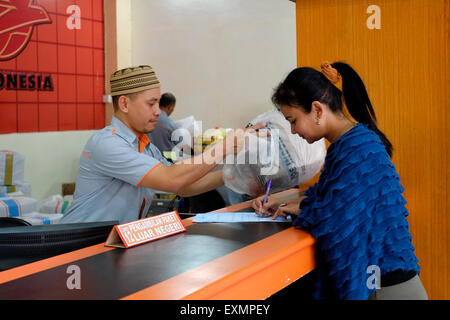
357,214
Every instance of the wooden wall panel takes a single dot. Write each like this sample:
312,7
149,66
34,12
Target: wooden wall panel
405,66
110,51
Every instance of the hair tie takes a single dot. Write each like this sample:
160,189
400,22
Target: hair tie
336,79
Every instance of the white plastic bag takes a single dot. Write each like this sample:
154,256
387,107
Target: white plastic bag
189,124
287,159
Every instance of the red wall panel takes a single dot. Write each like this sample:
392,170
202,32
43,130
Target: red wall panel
67,117
48,117
8,119
71,58
28,117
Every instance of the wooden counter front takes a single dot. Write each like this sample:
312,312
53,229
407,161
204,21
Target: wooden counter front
208,261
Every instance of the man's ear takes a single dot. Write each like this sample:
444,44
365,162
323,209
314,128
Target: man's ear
317,109
123,104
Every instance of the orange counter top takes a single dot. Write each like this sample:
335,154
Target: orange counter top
208,261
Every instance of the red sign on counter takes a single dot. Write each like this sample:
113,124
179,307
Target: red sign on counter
141,231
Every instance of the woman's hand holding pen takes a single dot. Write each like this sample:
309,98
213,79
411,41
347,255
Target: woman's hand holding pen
268,208
275,207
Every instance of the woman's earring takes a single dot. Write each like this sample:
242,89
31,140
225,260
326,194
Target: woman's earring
318,122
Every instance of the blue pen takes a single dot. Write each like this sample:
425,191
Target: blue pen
269,184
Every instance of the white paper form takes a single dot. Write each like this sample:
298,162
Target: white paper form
235,217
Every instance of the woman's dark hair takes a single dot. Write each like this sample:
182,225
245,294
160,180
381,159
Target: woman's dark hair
167,99
305,85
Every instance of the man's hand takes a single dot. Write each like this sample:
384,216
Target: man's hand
235,139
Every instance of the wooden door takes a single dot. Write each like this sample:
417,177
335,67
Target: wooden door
110,52
405,66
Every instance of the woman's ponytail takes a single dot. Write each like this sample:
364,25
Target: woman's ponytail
358,102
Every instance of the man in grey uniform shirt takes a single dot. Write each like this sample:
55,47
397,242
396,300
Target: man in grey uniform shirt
161,136
120,168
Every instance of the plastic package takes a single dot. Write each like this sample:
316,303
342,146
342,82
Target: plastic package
55,204
287,159
23,187
14,194
37,218
12,167
5,190
17,206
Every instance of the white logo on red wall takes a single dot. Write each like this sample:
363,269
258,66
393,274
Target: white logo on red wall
17,21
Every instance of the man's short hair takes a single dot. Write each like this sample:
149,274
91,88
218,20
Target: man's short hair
167,99
115,99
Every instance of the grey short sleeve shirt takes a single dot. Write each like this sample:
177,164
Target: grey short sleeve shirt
111,169
162,135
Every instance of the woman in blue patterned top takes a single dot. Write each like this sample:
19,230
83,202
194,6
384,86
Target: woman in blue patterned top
356,211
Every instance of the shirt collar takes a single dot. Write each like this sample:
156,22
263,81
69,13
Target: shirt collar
143,142
123,131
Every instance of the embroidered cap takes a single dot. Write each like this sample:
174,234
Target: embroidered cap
132,80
